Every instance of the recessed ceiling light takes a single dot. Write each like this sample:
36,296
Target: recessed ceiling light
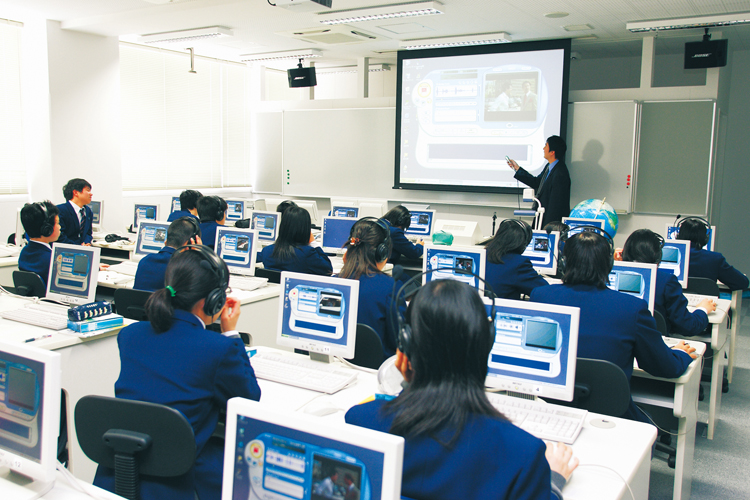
690,22
285,54
456,41
578,27
556,15
186,35
406,10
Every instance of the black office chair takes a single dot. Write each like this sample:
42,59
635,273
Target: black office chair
273,275
368,349
135,439
702,286
661,323
131,303
28,284
601,387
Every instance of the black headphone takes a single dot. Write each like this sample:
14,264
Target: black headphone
704,239
528,232
48,226
219,214
584,228
196,227
383,250
404,328
217,297
404,220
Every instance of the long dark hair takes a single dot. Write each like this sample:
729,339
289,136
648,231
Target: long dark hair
448,350
361,248
399,216
294,231
695,231
588,260
191,281
513,236
643,245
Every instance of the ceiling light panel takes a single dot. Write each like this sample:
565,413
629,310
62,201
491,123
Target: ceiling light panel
456,41
286,54
212,32
689,22
408,10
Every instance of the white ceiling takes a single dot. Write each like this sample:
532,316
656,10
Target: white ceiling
260,27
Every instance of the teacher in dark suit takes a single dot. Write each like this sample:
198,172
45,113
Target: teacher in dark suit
75,215
552,186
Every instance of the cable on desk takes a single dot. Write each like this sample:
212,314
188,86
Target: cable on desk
75,482
352,365
611,470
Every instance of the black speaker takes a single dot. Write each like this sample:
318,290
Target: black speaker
301,77
706,54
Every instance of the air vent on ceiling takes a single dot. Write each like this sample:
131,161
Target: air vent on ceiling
332,35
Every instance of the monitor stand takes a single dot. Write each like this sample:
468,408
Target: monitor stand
18,487
323,358
521,395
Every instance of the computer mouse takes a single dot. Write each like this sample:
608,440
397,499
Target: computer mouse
321,408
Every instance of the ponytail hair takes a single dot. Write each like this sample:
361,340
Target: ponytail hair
187,281
362,248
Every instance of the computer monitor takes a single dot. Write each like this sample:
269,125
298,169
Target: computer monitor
20,231
238,248
543,250
535,348
675,257
266,224
270,454
336,233
73,273
451,261
144,212
345,211
318,314
175,206
312,208
635,279
152,236
710,245
96,220
372,208
29,418
235,210
422,223
465,232
580,221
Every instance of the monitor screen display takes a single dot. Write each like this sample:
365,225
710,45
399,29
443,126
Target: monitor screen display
336,232
543,251
96,209
318,314
145,212
152,236
635,279
672,232
458,263
345,211
175,206
535,348
422,222
266,224
238,248
235,210
73,273
675,257
574,222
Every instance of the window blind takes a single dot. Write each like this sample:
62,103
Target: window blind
13,178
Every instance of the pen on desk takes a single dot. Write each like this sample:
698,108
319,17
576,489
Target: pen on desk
38,338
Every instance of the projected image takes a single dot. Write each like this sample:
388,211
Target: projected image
511,96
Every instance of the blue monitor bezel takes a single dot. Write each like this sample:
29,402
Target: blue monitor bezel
222,231
644,270
261,237
475,252
684,265
139,245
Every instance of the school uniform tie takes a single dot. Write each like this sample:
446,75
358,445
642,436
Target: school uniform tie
545,174
82,211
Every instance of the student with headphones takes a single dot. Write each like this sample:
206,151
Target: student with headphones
399,219
705,263
188,205
151,268
509,272
645,246
41,221
173,360
613,326
292,250
367,252
457,444
212,211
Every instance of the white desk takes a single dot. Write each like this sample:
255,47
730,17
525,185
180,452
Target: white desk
736,310
7,266
62,490
626,448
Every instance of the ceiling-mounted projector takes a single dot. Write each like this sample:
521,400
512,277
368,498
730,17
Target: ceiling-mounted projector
304,5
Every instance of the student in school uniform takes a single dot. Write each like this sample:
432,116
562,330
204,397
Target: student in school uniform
366,255
281,207
705,263
42,225
457,445
563,229
188,205
292,250
613,326
173,360
645,246
76,217
508,272
399,220
151,269
212,211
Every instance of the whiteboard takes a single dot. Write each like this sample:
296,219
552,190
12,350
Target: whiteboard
602,152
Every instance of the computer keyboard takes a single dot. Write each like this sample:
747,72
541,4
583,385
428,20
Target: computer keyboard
307,374
44,315
128,267
246,282
694,299
545,421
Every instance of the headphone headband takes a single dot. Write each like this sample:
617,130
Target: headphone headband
383,249
194,223
48,226
217,297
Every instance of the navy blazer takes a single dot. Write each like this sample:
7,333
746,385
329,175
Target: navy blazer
35,258
180,213
374,310
70,229
402,246
208,233
555,193
515,277
151,270
618,328
672,304
491,459
194,371
307,259
713,265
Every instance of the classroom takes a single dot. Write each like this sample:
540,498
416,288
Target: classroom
82,74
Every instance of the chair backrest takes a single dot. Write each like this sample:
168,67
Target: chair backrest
131,303
661,323
601,387
273,275
134,437
29,284
702,286
368,349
